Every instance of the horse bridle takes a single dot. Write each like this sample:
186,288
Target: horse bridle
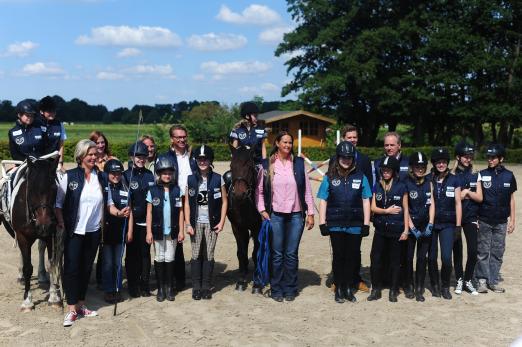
250,187
30,211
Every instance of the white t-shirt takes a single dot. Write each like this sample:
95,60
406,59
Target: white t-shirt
202,200
90,208
184,170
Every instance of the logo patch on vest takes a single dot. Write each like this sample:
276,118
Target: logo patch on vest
242,136
73,185
134,185
156,201
487,184
19,140
413,194
336,182
378,196
192,192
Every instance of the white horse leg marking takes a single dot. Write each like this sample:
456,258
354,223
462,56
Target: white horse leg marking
28,304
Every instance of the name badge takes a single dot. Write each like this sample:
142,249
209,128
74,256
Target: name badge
17,132
472,184
450,194
396,197
428,201
486,178
217,195
37,136
44,129
404,168
507,185
428,194
260,131
178,202
123,193
151,183
57,134
217,189
124,202
450,189
356,185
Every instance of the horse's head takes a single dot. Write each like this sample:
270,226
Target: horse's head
243,172
41,191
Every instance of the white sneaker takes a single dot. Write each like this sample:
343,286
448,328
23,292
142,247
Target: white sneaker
470,288
458,287
85,312
69,319
482,287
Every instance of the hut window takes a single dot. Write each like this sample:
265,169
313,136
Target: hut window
279,126
309,127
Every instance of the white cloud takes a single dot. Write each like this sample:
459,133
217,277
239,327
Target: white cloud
39,68
142,36
253,14
19,49
235,67
198,77
111,76
265,88
216,42
274,35
128,52
288,56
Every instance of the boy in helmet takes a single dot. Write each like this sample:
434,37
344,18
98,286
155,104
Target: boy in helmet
25,138
53,128
248,132
496,216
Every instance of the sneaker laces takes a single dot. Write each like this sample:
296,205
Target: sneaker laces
459,284
470,286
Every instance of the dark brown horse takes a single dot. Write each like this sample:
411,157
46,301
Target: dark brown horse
242,211
32,218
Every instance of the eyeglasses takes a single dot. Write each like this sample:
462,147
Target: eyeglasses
180,137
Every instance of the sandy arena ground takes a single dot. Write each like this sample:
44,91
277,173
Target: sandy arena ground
240,318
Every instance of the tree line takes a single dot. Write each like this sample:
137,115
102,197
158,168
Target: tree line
445,68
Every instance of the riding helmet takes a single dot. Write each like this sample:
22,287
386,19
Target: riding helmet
464,148
439,153
390,163
47,104
113,165
248,108
496,150
345,149
203,151
418,158
163,163
138,149
26,106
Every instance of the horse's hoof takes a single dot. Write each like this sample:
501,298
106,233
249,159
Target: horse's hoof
241,286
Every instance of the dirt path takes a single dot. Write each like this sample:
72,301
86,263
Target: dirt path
234,318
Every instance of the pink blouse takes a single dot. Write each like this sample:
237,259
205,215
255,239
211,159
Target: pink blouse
285,198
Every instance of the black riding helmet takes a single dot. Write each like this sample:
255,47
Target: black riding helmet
203,151
345,149
248,108
390,163
138,148
495,150
439,153
163,163
26,106
47,104
113,165
464,148
418,158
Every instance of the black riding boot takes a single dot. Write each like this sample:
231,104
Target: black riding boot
195,266
375,295
434,280
394,293
159,268
169,280
145,275
206,278
408,291
420,275
339,295
347,293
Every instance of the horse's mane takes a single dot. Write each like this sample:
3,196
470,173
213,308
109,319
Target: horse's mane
41,175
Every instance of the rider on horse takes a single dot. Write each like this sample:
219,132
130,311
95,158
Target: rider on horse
54,130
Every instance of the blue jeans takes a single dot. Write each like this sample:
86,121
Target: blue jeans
287,229
111,267
446,236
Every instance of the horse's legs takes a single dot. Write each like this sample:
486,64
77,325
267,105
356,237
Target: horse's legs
43,276
25,249
242,256
20,278
54,287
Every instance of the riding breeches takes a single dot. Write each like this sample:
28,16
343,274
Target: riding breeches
203,242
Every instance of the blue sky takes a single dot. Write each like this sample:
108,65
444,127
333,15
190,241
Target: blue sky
122,53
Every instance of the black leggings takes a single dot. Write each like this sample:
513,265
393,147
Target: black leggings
471,232
137,258
380,244
346,250
423,246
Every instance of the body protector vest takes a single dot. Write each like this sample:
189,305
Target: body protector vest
212,195
496,189
345,203
389,223
444,196
419,201
157,193
142,180
468,180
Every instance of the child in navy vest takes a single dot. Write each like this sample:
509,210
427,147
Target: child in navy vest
390,206
164,225
447,223
116,194
422,214
344,212
205,212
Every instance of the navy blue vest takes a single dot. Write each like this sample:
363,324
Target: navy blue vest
300,177
214,198
345,207
157,193
253,137
497,186
419,201
71,203
468,180
389,223
192,162
53,132
26,141
403,168
444,197
142,179
113,232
